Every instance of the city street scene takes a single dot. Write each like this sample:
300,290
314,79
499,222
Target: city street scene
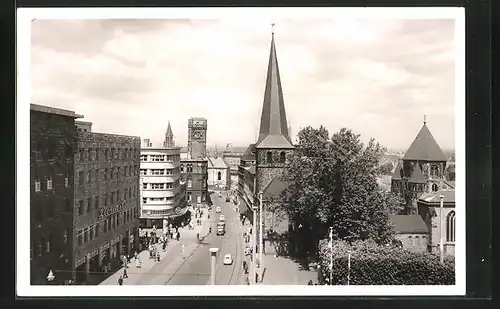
243,152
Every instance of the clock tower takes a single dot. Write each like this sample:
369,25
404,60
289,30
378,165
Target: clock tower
197,138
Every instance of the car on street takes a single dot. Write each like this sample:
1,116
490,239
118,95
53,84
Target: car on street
228,199
228,259
217,209
247,251
222,218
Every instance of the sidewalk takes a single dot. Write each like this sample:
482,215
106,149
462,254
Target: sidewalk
158,273
283,271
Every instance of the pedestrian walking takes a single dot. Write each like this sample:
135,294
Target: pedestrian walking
178,236
310,282
125,272
137,263
135,255
120,280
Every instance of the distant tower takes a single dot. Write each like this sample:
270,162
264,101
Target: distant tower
197,137
169,138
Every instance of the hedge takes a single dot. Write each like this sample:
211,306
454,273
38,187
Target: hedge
384,265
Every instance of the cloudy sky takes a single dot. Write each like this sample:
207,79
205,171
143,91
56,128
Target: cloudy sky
376,77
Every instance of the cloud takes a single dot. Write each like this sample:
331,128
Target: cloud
377,77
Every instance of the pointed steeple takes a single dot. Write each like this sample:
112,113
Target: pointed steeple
425,147
273,125
169,137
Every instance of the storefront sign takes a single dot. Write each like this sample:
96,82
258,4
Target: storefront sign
105,211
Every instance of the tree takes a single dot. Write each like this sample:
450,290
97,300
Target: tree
333,182
386,169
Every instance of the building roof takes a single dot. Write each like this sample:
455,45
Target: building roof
417,176
169,131
275,187
273,125
216,162
408,224
54,110
249,154
424,147
398,172
433,197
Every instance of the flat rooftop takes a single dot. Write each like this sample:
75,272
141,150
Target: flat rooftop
54,110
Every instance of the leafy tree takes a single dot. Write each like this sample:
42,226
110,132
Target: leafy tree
386,169
333,183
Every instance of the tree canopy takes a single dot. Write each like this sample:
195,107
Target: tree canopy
333,183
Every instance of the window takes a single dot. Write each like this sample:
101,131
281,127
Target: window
170,171
87,177
86,235
269,157
81,155
96,202
105,174
144,200
49,183
450,227
89,154
80,237
66,181
106,154
157,186
144,172
282,157
190,183
434,171
203,198
417,240
89,204
410,240
111,173
97,175
189,168
37,185
434,187
198,199
97,232
182,168
80,207
91,233
189,196
219,176
144,186
47,243
169,185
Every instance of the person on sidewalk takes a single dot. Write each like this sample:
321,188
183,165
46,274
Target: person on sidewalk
125,272
137,263
178,236
120,281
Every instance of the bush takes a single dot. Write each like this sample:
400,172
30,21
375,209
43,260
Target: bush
372,264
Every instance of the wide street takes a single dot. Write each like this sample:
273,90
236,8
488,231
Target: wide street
195,270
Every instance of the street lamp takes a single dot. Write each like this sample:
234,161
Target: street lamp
441,245
348,267
261,243
213,253
254,242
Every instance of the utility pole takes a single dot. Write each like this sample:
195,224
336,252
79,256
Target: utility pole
331,255
254,245
348,267
213,253
261,243
441,245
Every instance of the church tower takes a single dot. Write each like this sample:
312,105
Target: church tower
273,146
197,137
169,138
421,169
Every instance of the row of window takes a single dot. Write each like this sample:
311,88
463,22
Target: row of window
109,173
159,172
145,200
87,234
43,244
189,168
281,159
107,199
47,184
199,199
450,227
416,241
160,158
97,154
160,186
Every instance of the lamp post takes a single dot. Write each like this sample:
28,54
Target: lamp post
348,267
441,245
261,242
331,254
254,242
213,253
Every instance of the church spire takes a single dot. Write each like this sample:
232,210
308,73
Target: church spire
273,125
169,137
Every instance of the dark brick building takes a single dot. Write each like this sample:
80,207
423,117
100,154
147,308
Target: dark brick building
52,147
194,167
106,218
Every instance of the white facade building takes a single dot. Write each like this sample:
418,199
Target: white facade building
162,192
219,174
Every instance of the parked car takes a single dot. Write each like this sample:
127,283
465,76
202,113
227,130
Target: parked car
218,209
247,251
228,199
222,218
228,259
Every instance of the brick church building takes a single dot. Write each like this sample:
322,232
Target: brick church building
263,162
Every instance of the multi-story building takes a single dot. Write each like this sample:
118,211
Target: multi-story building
232,159
52,148
219,176
163,193
106,202
194,167
264,162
